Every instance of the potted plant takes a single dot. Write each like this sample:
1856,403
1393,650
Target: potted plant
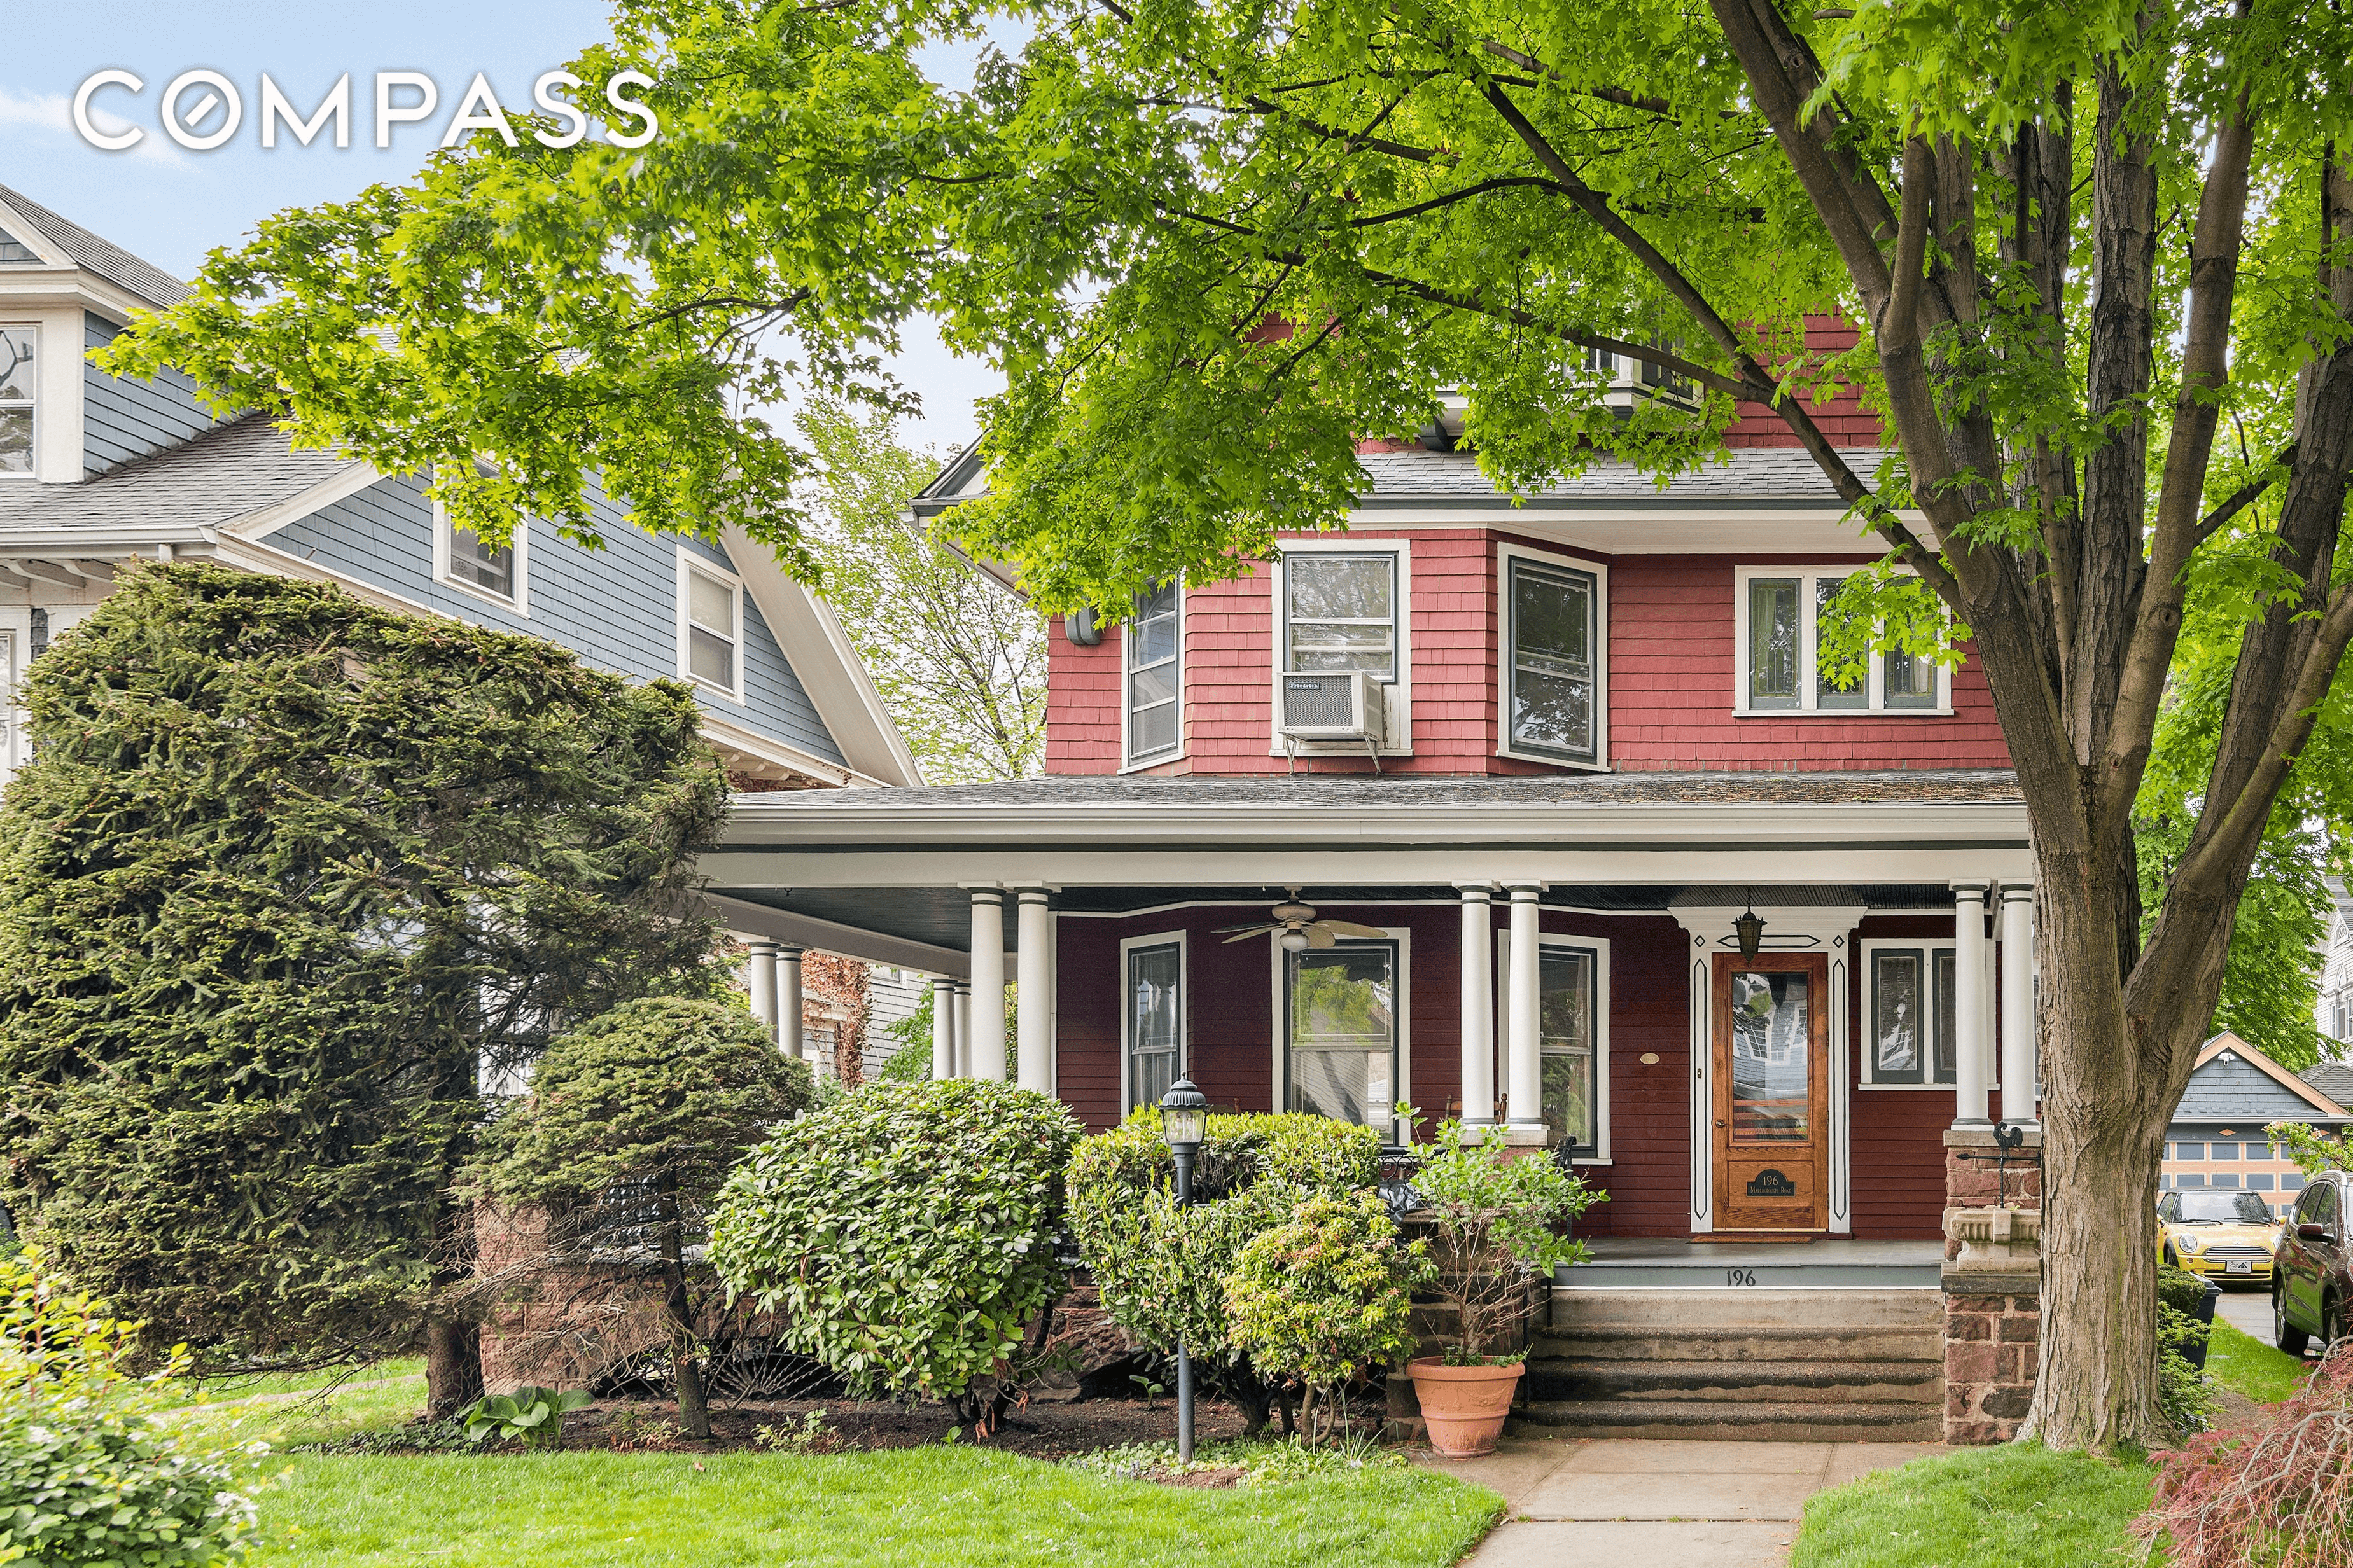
1493,1216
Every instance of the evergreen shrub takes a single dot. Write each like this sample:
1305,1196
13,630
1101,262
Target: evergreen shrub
906,1235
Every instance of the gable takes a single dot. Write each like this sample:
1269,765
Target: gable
616,606
13,249
2230,1088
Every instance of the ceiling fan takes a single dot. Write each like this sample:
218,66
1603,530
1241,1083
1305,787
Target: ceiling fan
1299,927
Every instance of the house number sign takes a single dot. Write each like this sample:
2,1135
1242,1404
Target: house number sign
1772,1185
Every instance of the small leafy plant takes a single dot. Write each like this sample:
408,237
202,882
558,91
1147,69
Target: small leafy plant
812,1435
1492,1220
631,1428
531,1414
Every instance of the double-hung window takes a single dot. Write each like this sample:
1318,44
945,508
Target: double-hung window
1567,1030
17,393
1340,612
472,561
1781,612
1155,686
1152,1024
1340,1014
1552,634
709,624
1910,1014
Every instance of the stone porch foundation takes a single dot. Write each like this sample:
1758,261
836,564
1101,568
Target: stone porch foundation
1993,1287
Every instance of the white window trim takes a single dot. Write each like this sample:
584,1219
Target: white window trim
1504,555
688,559
1127,1013
1599,947
40,373
1399,692
520,603
1874,674
1128,762
1397,1132
1867,953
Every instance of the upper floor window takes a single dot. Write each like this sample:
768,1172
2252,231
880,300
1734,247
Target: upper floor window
1781,610
17,390
709,624
1154,675
1552,632
472,561
1339,612
1912,1005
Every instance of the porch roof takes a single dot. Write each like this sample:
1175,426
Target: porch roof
817,866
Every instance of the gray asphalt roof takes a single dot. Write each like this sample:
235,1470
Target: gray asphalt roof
2334,1080
1746,474
1977,786
228,472
99,255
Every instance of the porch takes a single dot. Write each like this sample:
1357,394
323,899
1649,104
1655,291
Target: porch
1551,959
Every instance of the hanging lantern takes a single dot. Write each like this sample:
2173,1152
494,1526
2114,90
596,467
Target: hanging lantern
1750,930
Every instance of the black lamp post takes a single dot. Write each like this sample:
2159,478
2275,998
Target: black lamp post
1183,1121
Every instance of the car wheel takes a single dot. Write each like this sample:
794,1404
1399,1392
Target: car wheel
2332,1325
2171,1261
2290,1340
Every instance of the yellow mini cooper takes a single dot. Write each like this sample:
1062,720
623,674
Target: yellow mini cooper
2222,1235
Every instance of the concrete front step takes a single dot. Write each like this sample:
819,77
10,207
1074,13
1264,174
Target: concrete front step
1925,1343
1741,1383
1703,1273
1695,1420
1576,1307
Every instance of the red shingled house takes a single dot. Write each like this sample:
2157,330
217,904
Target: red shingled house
1495,780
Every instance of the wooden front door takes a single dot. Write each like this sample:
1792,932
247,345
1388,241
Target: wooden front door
1771,1077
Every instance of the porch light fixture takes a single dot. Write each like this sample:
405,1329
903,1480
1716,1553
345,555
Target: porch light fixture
1184,1123
1750,929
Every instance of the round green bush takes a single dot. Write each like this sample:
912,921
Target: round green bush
1162,1270
1326,1293
89,1474
666,1089
905,1234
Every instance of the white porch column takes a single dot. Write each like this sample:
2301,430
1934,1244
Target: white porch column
988,984
788,1001
2019,1025
1478,1006
1523,1049
1034,950
1972,1052
961,1014
760,979
943,1027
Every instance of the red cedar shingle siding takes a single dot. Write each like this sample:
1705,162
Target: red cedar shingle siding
1671,681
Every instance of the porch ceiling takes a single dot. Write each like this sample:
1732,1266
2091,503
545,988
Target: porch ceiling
941,916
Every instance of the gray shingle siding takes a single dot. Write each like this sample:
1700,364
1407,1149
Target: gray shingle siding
616,607
2240,1091
126,419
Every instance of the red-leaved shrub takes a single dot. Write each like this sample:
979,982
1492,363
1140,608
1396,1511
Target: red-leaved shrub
2280,1496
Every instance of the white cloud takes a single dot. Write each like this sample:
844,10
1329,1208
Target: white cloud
51,114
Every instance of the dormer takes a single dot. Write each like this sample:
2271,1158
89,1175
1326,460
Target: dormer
63,291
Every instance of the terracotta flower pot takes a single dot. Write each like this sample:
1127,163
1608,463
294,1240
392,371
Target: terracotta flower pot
1465,1405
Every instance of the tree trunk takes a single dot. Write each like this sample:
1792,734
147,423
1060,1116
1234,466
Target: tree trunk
693,1413
453,1367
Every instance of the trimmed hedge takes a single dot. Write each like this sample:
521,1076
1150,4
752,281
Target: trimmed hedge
906,1234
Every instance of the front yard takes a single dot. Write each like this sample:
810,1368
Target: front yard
937,1503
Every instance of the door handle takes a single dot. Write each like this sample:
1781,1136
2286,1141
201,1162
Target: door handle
1720,1121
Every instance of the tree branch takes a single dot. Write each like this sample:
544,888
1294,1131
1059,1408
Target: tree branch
1481,188
2245,496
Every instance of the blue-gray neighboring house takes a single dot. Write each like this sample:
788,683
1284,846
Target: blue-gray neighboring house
2216,1139
96,471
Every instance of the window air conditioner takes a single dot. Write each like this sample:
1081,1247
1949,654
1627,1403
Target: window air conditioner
1335,705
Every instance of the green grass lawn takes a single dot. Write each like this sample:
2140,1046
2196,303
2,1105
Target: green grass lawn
2015,1505
329,1415
2265,1373
962,1505
228,1390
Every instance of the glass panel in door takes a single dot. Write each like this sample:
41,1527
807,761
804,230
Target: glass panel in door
1771,1034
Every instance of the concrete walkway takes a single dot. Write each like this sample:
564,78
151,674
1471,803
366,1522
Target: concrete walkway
2249,1312
1638,1504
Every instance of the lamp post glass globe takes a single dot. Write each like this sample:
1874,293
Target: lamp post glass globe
1183,1115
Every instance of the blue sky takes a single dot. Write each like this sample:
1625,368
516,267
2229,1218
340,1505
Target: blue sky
171,206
